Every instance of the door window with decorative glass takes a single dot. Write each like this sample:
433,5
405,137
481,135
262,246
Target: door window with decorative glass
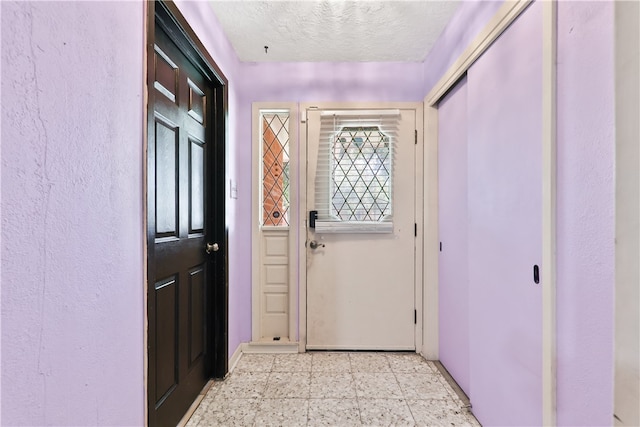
354,175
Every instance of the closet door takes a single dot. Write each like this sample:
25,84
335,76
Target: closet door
453,284
505,237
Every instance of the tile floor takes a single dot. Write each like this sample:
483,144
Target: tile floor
332,389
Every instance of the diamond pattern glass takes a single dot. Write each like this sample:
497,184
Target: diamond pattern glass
361,179
275,169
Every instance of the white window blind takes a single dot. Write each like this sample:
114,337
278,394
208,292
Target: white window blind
354,173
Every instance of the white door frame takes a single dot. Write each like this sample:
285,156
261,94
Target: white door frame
304,208
507,13
627,308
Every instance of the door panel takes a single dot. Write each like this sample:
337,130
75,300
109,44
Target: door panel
360,287
453,267
179,221
504,90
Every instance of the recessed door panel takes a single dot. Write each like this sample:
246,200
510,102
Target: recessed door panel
166,337
197,318
196,186
166,179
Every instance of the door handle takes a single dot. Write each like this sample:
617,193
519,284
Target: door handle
315,245
212,247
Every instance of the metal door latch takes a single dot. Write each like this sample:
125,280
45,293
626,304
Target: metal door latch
315,245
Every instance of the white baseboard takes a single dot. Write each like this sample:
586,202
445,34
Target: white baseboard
235,357
261,347
270,347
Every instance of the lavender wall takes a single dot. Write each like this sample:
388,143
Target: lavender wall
585,281
470,18
453,269
72,235
324,81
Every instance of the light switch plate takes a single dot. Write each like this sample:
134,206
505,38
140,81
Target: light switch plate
233,189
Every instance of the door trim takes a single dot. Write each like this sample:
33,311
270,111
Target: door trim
418,207
507,13
627,208
182,34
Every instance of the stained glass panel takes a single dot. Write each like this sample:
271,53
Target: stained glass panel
275,169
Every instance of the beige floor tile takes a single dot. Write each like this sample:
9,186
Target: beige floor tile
335,385
376,386
440,413
230,412
447,386
408,363
255,363
422,386
330,362
333,388
369,362
244,385
334,412
385,412
300,362
288,385
282,412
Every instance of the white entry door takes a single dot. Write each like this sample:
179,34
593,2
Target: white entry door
361,254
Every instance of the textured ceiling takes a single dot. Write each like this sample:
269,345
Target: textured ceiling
331,30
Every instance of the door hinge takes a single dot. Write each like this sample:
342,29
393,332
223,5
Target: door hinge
415,317
415,229
416,135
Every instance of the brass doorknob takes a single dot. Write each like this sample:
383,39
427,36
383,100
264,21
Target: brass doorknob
212,247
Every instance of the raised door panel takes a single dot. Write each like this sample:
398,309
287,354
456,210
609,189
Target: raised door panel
166,318
274,287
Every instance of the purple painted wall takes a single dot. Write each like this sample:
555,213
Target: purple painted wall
324,81
72,234
585,277
453,269
470,18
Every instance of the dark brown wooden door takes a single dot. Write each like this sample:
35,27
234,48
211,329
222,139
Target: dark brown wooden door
183,217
